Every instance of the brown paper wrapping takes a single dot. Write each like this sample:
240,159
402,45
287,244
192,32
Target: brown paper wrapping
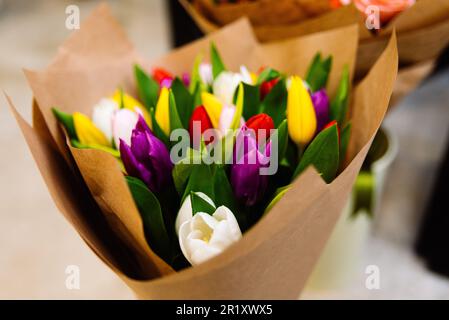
275,257
422,30
263,12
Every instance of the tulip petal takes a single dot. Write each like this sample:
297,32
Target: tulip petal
132,166
213,107
301,116
123,123
102,116
320,102
162,111
132,104
87,132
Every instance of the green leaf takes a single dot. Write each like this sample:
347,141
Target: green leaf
152,218
217,63
251,100
184,101
200,180
344,142
323,154
238,108
197,96
282,135
267,74
80,145
223,189
67,121
195,79
200,205
122,100
182,170
275,103
339,104
147,88
280,192
318,72
175,120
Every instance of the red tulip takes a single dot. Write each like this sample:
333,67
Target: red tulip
258,122
160,75
330,124
266,87
200,115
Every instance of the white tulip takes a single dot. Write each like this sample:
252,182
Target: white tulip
226,117
226,83
123,123
205,72
246,75
205,236
102,116
185,213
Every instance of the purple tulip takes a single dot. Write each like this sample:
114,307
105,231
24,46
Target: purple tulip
320,101
248,184
166,83
186,79
147,158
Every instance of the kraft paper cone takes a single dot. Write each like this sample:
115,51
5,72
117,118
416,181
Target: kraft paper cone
422,30
275,257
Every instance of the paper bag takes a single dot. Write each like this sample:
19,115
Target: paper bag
275,257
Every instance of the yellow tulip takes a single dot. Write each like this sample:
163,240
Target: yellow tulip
87,132
162,111
254,77
132,104
301,116
213,107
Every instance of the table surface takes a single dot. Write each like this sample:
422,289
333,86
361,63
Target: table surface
37,244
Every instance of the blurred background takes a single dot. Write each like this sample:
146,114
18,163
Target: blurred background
37,244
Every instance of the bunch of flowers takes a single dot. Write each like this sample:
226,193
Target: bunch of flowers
207,154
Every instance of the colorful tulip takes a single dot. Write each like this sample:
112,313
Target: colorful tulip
226,118
302,122
226,83
201,117
147,158
123,123
205,73
248,184
204,236
87,132
186,79
185,213
103,114
213,107
162,111
131,104
266,87
166,83
320,102
260,122
160,74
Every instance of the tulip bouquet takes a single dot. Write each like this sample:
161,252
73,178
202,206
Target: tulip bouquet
158,169
195,198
